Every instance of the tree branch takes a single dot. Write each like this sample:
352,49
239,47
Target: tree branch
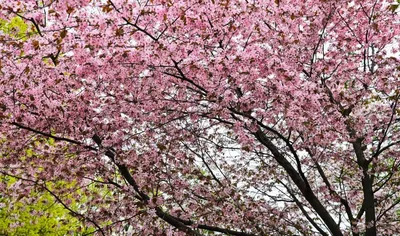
298,180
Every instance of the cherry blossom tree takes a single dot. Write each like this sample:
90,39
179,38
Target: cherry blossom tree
205,117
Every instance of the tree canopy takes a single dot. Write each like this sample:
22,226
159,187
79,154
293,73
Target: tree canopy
205,117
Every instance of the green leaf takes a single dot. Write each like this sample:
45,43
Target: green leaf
16,27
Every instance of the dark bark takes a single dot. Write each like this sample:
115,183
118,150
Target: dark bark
181,224
302,186
367,182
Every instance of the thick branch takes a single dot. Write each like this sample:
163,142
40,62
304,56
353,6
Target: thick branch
300,206
298,180
367,181
174,221
343,201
